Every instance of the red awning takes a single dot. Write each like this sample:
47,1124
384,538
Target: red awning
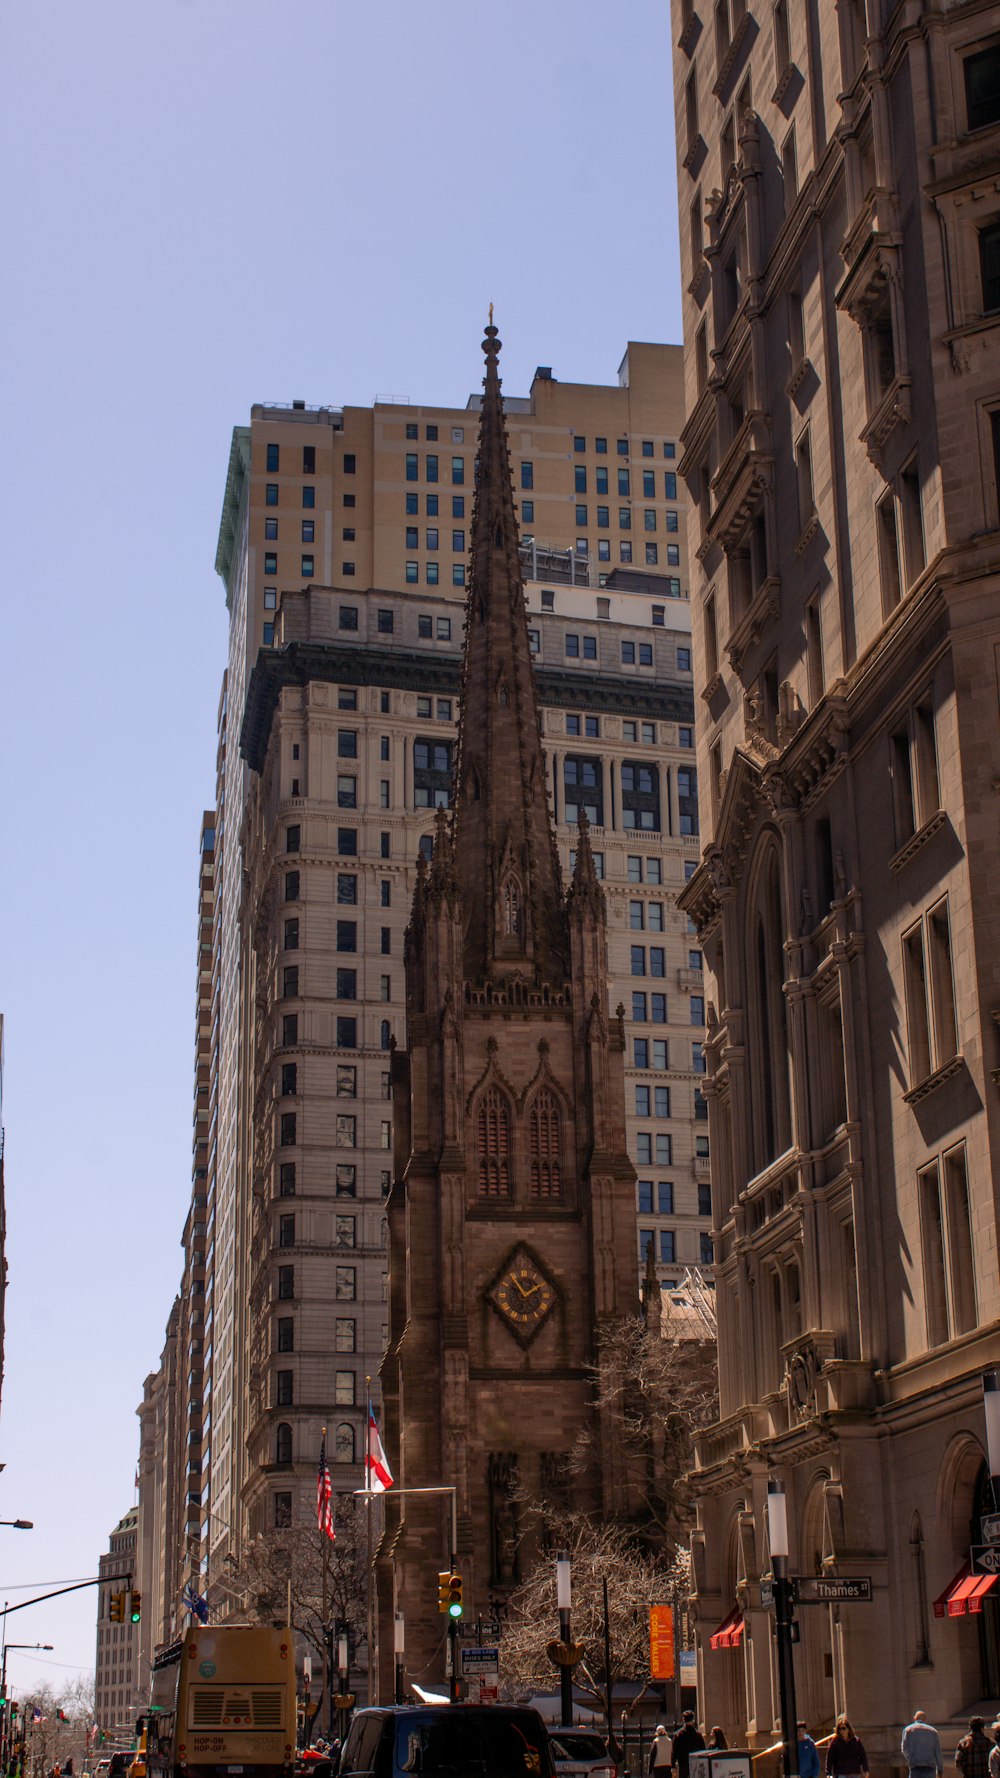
965,1593
730,1631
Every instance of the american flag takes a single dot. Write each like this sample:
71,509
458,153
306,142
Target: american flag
324,1493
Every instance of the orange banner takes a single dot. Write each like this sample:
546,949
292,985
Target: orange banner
661,1641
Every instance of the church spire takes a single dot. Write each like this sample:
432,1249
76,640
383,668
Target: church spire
505,857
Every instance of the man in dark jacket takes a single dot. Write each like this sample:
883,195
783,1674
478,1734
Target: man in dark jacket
972,1755
686,1742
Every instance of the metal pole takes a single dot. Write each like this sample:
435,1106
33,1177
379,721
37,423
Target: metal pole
563,1606
786,1667
607,1663
373,1690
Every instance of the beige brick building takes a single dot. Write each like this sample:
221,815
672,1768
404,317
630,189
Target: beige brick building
838,202
118,1672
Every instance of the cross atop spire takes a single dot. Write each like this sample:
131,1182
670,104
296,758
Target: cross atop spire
506,862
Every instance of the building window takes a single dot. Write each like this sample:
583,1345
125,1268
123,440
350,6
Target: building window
458,471
623,482
431,469
347,1034
344,1385
347,617
286,1283
583,783
528,511
344,1446
494,1145
288,1135
345,1283
286,1177
931,1018
289,1077
286,1325
640,795
667,1247
272,456
527,475
347,1180
283,1389
385,623
347,984
545,1147
283,1445
347,935
347,842
282,1511
652,553
982,94
271,529
343,1339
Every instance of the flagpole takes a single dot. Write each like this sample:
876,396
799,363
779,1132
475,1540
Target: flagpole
372,1679
327,1674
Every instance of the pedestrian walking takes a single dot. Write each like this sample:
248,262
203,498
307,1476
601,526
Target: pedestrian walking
995,1751
972,1755
659,1753
808,1753
717,1742
846,1756
921,1748
690,1740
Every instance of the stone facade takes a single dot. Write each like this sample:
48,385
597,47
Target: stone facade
511,1212
843,382
118,1683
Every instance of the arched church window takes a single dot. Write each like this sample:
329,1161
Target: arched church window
345,1443
493,1145
544,1144
512,908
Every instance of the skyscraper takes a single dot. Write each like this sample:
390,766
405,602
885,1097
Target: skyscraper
843,385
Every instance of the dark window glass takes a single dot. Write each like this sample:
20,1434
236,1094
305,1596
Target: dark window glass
286,1284
583,781
982,93
350,463
309,459
347,984
431,469
288,1129
290,982
347,842
989,260
670,484
290,1028
527,475
347,891
347,935
385,623
291,885
286,1231
271,494
272,449
286,1326
284,1394
347,1034
347,617
289,1079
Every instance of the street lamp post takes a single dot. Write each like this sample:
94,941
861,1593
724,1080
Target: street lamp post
777,1533
399,1650
343,1658
563,1602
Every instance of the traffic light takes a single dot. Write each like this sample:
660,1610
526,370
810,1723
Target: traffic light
444,1590
454,1595
116,1610
135,1612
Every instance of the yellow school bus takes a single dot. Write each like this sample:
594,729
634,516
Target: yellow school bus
222,1704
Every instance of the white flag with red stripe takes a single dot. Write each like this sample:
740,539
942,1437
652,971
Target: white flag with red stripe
379,1473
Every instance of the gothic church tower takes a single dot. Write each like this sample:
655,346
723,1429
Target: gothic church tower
511,1220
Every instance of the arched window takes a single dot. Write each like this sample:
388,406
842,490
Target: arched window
493,1145
345,1443
283,1444
544,1141
511,898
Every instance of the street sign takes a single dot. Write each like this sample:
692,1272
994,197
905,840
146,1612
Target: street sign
831,1589
985,1558
990,1523
661,1641
479,1661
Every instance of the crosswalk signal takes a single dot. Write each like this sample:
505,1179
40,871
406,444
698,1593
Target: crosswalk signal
454,1595
135,1611
116,1610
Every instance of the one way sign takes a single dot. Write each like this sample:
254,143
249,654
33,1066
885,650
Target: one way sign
985,1558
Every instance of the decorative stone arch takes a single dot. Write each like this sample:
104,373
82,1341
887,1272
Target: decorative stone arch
493,1123
817,1704
768,1046
957,1643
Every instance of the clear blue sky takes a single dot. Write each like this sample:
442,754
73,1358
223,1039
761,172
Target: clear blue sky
209,203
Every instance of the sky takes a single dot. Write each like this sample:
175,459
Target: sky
208,203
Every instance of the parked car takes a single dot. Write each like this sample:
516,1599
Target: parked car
578,1751
457,1740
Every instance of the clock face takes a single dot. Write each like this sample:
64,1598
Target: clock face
522,1294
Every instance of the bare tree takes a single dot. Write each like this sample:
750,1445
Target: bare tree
637,1578
61,1732
294,1556
661,1385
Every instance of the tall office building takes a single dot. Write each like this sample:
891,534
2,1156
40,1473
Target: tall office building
336,735
117,1680
840,242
